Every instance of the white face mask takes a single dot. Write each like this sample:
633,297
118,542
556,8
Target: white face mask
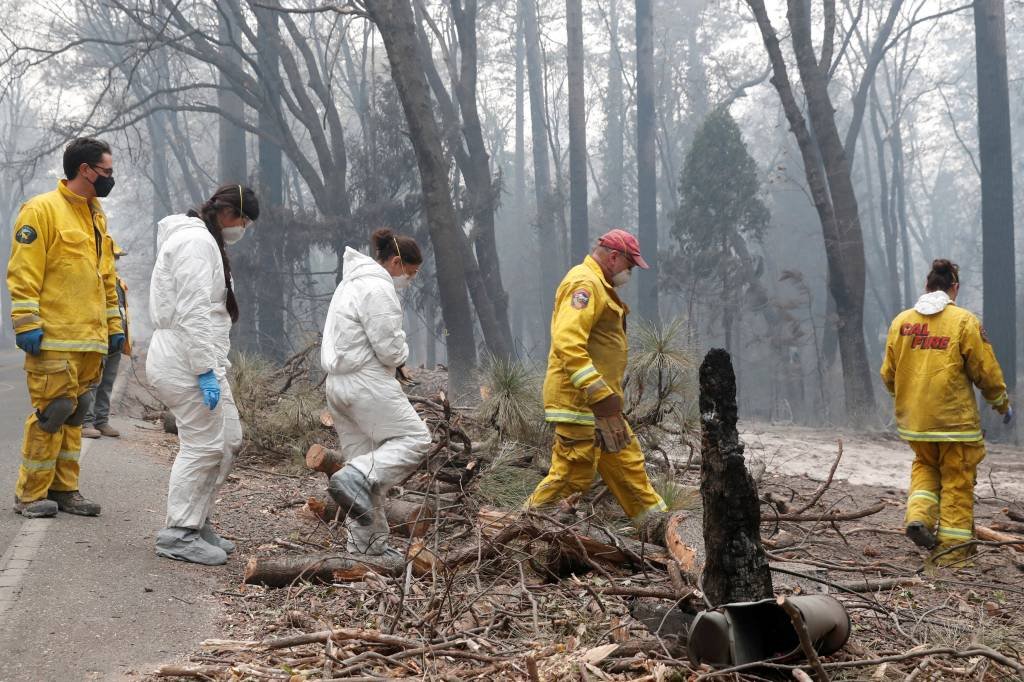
402,282
621,279
232,235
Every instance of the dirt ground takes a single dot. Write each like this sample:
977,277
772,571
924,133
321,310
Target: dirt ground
509,619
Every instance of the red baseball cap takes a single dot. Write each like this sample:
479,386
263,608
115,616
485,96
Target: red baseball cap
620,240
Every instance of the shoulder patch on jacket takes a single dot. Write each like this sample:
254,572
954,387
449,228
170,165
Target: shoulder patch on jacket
26,235
580,299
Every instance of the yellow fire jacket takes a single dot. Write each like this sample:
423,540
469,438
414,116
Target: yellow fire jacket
61,272
588,346
932,362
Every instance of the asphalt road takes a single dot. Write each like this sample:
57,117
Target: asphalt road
87,598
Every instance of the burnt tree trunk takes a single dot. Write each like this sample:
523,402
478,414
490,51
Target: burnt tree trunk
579,235
394,20
997,248
736,567
646,161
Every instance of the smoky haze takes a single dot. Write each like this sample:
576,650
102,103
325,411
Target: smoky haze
791,168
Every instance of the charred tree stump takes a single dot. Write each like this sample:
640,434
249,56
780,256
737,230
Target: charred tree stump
736,567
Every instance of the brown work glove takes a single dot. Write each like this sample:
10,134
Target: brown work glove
611,433
405,377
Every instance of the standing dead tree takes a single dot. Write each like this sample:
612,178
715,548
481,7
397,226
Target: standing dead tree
736,567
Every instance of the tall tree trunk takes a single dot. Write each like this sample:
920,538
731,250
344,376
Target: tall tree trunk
519,197
394,19
833,195
270,292
547,237
615,114
231,157
888,230
647,188
578,231
999,278
493,314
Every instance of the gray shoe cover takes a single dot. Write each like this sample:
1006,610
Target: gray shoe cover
210,535
353,493
185,544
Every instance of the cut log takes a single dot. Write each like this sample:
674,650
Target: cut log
990,535
281,571
736,566
324,460
408,519
579,544
200,672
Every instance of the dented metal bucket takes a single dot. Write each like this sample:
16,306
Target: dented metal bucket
747,632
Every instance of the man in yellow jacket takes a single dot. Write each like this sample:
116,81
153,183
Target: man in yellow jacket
936,353
583,386
66,318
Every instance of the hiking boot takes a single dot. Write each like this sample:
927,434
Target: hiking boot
90,432
352,491
185,544
920,535
209,535
72,502
106,430
37,509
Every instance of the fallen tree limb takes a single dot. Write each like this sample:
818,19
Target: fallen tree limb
806,645
826,483
201,672
831,516
408,519
876,584
281,571
339,634
990,535
1014,514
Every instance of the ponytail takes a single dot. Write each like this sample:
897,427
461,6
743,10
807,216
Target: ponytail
944,274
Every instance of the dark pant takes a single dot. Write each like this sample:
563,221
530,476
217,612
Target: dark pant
100,412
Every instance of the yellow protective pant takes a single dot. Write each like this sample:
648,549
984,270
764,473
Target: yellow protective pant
574,461
942,490
49,461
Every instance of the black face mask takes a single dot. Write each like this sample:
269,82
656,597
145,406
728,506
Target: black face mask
103,184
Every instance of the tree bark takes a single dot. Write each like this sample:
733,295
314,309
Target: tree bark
231,157
833,196
998,280
547,239
270,292
282,571
394,20
646,122
578,230
614,134
736,567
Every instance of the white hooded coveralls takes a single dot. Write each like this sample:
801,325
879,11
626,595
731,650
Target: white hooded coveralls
188,307
379,432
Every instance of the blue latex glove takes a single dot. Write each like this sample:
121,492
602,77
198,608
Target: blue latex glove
1008,417
30,341
116,343
210,387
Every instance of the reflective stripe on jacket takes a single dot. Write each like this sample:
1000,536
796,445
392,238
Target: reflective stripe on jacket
59,279
932,362
588,345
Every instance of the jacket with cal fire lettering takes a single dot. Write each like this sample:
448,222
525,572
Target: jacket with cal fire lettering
935,354
588,346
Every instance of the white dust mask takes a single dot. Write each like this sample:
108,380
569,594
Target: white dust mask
232,234
402,282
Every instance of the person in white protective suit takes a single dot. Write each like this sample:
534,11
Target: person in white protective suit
364,352
192,305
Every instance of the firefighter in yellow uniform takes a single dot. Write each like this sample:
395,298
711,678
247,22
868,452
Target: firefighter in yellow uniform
66,318
583,386
935,354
